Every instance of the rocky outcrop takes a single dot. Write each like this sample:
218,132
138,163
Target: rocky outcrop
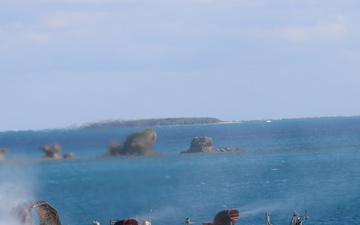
52,151
136,144
228,149
69,155
3,152
201,144
205,145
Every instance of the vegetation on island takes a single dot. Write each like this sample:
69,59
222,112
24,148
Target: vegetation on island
152,122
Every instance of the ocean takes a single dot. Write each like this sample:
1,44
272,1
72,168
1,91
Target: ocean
310,166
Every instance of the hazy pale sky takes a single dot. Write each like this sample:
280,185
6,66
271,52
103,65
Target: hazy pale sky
65,62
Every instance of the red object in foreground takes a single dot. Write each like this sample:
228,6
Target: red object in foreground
233,214
207,223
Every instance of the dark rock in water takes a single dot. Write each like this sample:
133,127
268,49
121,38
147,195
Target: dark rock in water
3,152
136,144
114,149
205,145
140,143
51,151
228,149
201,144
69,155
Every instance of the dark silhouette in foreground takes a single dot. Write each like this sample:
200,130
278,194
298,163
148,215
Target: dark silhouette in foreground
225,217
47,215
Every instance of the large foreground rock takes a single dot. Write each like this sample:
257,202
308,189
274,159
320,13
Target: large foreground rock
136,144
205,145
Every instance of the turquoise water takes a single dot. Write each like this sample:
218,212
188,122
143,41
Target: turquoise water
307,165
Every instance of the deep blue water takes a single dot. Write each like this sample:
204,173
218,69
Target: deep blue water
298,165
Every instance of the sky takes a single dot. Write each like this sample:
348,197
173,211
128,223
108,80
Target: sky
70,62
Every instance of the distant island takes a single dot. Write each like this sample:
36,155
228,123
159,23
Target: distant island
152,122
